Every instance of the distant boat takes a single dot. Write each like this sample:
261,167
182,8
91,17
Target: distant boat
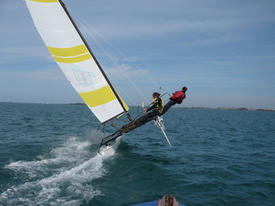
80,66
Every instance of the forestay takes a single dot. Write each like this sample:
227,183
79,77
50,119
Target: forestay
75,59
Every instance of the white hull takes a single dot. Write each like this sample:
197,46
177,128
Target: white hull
110,149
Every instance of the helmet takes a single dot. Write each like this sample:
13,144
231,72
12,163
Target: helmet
184,89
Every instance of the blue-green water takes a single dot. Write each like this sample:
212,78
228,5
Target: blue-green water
48,157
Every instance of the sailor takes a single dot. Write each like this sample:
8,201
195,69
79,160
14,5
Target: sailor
177,98
157,105
155,110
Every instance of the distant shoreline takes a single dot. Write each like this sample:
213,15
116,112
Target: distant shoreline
232,109
214,108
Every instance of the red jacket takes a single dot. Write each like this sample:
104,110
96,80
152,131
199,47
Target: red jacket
178,96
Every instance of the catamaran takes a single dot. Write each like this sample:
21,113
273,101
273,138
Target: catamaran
80,66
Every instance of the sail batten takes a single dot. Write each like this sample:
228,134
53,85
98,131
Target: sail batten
72,54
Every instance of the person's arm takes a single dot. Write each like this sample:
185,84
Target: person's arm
152,107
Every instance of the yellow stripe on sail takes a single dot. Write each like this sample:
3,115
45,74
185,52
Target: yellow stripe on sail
46,1
125,106
68,52
98,97
70,55
73,59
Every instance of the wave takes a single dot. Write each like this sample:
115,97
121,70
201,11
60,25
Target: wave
62,178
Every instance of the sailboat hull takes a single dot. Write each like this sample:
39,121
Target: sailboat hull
107,150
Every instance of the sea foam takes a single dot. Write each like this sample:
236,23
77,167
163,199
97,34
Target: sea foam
64,178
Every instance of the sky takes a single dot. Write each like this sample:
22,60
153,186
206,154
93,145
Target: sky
223,51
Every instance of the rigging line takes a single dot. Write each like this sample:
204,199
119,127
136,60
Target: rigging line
94,58
126,59
153,81
134,85
111,57
125,94
114,59
137,68
90,35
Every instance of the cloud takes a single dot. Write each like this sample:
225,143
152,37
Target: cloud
37,53
125,71
20,40
203,43
182,17
45,74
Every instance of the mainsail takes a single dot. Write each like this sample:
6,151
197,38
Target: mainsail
75,59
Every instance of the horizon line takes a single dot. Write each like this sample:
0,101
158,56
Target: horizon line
177,106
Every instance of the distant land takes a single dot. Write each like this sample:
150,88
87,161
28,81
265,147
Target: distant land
217,108
232,108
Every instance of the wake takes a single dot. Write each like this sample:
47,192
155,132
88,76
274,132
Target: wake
64,178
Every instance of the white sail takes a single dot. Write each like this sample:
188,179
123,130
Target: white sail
74,59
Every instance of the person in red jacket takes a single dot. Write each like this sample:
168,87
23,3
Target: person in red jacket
177,98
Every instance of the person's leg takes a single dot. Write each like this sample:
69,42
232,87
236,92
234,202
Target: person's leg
140,121
146,118
137,122
167,106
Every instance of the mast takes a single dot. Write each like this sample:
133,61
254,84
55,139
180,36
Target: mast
96,61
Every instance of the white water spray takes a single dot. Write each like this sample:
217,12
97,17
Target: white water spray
63,179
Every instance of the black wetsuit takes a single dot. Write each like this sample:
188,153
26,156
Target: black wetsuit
155,110
156,107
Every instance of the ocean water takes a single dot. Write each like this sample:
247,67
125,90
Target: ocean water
48,157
